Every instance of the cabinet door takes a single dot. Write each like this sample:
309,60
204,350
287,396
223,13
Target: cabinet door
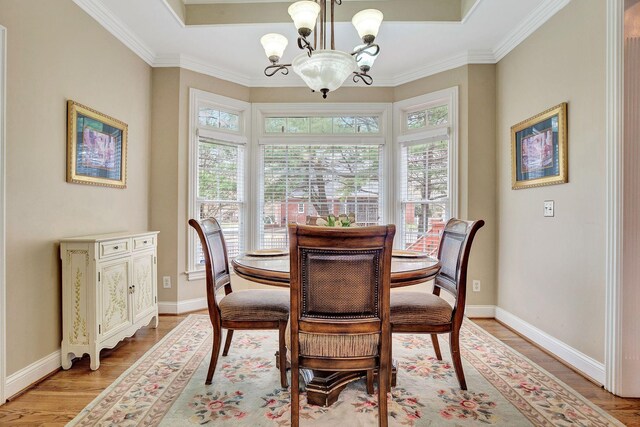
144,281
115,313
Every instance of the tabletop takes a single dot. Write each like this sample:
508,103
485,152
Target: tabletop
274,270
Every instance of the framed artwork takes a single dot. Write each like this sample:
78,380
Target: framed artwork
539,149
96,147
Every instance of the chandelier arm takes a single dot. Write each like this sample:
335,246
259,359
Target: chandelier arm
272,70
365,50
303,44
362,77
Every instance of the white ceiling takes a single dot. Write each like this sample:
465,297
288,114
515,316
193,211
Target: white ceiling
409,50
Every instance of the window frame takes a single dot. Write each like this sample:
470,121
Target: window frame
242,137
403,136
260,137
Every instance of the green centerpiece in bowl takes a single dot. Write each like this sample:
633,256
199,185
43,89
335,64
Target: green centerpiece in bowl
342,220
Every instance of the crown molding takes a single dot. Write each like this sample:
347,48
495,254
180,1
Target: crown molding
534,21
465,58
117,28
194,64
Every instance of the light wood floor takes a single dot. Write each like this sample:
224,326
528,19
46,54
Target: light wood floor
56,400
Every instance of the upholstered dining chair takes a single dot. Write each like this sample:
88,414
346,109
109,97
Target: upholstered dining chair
340,284
423,312
248,309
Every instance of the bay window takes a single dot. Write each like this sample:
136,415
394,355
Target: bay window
307,161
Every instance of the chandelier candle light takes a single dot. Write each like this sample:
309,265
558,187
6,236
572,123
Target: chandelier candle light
323,68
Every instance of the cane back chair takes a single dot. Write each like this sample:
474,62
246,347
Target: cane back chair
340,284
422,312
242,310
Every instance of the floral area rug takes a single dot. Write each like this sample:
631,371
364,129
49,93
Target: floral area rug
166,387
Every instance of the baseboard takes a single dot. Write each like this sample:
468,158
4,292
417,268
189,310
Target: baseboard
180,307
574,358
480,311
31,374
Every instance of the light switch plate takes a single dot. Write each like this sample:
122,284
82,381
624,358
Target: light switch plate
548,208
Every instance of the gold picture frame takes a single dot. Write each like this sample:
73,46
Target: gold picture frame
96,147
539,149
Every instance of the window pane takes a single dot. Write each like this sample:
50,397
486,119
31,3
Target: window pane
302,182
228,215
321,124
214,118
344,125
217,171
416,120
425,195
423,225
315,125
220,181
367,125
426,174
229,121
297,125
275,124
438,115
209,117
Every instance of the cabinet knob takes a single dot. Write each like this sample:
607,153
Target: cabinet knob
115,247
145,242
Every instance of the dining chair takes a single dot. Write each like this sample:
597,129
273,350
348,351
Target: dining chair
241,310
423,312
340,285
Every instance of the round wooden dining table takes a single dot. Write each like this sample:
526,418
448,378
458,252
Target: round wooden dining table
323,388
274,270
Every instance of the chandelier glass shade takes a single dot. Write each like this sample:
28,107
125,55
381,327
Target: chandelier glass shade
321,66
325,69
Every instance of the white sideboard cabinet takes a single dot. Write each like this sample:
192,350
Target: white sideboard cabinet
109,291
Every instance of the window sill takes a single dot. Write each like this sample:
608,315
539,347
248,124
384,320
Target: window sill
195,275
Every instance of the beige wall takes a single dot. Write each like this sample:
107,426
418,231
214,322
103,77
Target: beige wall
57,52
551,270
163,214
476,162
303,94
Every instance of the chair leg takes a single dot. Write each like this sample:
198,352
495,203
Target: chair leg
282,354
227,342
295,394
370,381
390,370
454,344
215,352
436,346
383,389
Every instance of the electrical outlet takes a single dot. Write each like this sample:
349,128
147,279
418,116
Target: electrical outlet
476,286
548,208
166,282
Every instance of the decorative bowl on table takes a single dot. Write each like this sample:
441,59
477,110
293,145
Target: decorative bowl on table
342,220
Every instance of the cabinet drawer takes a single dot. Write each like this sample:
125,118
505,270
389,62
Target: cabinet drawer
115,247
144,242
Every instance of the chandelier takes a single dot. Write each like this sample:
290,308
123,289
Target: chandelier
321,66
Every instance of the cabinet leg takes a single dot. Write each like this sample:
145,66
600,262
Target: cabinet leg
94,357
157,320
66,359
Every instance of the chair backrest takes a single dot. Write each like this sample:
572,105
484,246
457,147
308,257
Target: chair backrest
453,253
215,258
340,278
